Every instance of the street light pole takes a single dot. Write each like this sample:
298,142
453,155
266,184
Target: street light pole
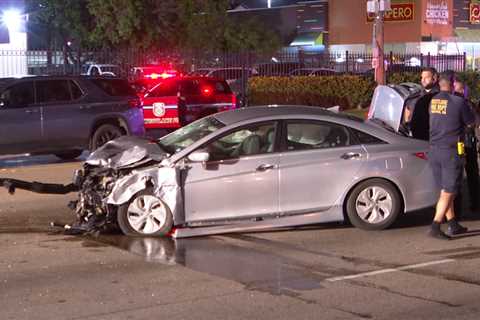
378,7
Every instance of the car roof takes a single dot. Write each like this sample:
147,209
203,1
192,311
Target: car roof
291,111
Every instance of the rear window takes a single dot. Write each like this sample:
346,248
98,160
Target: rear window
167,88
114,87
193,87
220,86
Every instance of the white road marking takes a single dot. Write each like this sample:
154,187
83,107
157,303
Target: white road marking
373,273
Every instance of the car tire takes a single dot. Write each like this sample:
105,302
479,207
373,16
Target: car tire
374,205
68,155
145,215
103,134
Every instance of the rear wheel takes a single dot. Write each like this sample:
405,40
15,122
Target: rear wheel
374,205
103,134
69,154
145,215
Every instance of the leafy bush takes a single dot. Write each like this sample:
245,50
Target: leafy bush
345,91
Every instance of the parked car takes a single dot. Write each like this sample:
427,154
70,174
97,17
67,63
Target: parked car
276,69
313,72
65,115
175,102
228,74
104,70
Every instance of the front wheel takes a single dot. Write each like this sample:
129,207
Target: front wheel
374,205
145,215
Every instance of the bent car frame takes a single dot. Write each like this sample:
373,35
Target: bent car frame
255,169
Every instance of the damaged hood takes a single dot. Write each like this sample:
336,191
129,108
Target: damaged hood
126,151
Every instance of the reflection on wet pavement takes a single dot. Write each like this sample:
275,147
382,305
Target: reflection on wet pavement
257,270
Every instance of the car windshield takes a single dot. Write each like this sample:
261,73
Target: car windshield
188,135
201,72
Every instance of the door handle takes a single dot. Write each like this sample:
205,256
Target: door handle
85,107
31,111
350,155
265,167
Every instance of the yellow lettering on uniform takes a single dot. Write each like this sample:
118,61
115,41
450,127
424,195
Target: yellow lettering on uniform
439,106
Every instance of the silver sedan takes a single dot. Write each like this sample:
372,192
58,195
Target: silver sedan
267,167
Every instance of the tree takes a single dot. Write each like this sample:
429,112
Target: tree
137,23
206,26
60,20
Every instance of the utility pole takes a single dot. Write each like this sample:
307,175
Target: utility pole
378,7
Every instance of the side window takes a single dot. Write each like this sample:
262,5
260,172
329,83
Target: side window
221,87
220,74
95,71
164,89
189,87
258,139
316,135
365,138
76,91
18,96
49,91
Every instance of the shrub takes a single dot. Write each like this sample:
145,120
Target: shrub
345,91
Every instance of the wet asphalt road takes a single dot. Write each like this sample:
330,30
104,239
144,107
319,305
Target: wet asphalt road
322,272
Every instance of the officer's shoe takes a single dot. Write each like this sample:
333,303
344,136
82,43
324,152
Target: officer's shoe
455,228
438,234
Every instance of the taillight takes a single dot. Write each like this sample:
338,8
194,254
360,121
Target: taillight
234,101
421,155
135,103
207,91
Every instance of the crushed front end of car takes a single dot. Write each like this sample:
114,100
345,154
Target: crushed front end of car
109,178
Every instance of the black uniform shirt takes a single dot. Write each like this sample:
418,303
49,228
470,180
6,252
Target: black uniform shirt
449,115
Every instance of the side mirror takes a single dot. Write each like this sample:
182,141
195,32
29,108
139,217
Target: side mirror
199,156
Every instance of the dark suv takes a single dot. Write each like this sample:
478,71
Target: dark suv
65,115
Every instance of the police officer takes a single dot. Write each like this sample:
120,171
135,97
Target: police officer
471,153
449,115
416,112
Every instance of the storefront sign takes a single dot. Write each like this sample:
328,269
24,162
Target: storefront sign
400,12
437,12
475,13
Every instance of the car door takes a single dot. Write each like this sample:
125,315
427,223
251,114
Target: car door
160,105
239,181
320,159
66,119
20,119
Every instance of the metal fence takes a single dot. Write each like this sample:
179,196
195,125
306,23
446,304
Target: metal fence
282,63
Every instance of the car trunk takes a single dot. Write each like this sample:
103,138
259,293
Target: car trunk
389,101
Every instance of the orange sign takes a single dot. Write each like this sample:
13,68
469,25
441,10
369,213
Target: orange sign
475,13
400,12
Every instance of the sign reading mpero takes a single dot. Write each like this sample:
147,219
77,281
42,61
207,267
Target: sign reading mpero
400,12
475,12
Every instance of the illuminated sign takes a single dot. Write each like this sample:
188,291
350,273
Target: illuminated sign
437,12
475,13
400,12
